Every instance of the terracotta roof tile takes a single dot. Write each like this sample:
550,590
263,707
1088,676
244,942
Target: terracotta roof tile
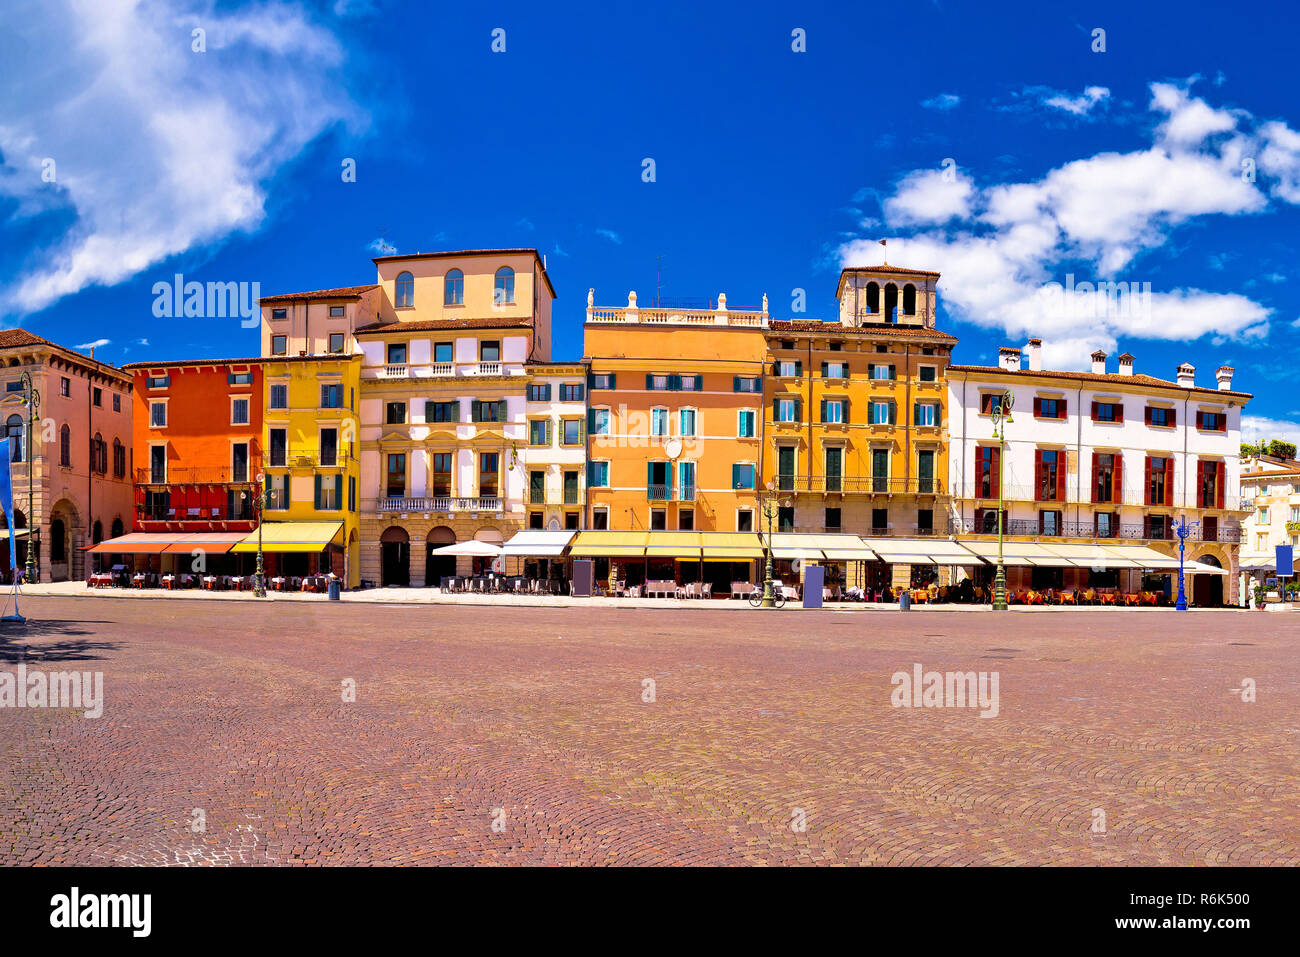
886,267
1111,377
870,329
432,325
343,292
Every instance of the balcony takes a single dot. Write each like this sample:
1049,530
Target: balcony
395,371
1030,528
195,476
702,313
487,368
858,485
686,493
442,369
659,493
440,503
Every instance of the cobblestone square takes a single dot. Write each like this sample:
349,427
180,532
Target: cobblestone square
771,737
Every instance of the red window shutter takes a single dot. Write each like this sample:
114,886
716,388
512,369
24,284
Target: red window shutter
1060,476
979,470
1117,480
1038,474
1119,411
1147,415
1146,482
1094,411
1200,481
1061,405
1169,481
1219,476
996,481
1173,417
1038,406
1095,497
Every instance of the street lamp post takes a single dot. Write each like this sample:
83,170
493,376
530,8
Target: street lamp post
259,501
1001,416
32,400
769,508
1182,529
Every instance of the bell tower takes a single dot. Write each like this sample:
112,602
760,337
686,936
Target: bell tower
888,295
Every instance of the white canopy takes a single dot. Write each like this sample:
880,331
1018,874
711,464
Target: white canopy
538,543
472,548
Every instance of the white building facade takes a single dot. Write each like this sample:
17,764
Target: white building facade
1100,458
552,461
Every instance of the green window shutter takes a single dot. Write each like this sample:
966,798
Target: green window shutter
824,365
548,439
893,372
613,380
338,499
501,410
455,410
649,381
591,474
893,413
844,406
699,383
823,418
735,383
317,477
916,414
649,476
675,383
735,476
776,404
798,410
591,420
798,367
428,411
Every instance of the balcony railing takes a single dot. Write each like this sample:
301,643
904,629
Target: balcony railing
487,368
195,476
686,493
442,369
859,484
1031,528
439,503
658,493
1013,492
395,371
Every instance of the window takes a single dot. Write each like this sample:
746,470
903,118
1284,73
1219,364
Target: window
1263,515
881,373
405,289
279,397
504,290
833,411
537,487
745,520
395,413
742,475
65,387
442,412
832,520
98,454
835,346
239,412
687,422
928,374
329,447
397,353
1045,408
1210,421
746,384
487,473
453,288
239,462
745,423
119,459
336,312
279,447
1159,480
788,368
1107,477
279,313
600,421
97,397
336,342
598,475
536,520
659,480
686,481
329,492
925,483
926,414
925,520
602,380
659,421
882,413
1161,417
157,464
1157,526
989,401
787,344
785,518
117,402
658,519
1210,477
572,393
493,411
787,410
396,484
986,472
240,378
835,370
539,393
656,383
331,396
690,383
785,463
600,519
489,350
572,434
881,348
277,488
440,484
16,432
279,345
1049,522
834,468
158,382
1105,524
442,352
157,415
1107,412
686,518
1050,480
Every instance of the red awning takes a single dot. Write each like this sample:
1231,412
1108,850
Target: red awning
138,543
214,543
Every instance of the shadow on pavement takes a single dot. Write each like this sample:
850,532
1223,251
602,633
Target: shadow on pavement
26,643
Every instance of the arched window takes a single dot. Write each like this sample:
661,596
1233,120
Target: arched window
505,286
14,431
405,290
20,520
873,297
117,528
97,532
453,288
119,458
65,446
98,454
891,303
909,300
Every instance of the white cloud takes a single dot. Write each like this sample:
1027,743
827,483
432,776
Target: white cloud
612,236
381,246
944,101
158,149
1078,105
999,245
97,344
1256,427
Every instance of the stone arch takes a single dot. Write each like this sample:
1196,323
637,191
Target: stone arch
62,556
438,567
395,556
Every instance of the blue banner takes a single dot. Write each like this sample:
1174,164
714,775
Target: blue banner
7,503
1285,568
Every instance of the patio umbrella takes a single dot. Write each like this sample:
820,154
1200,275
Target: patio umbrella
471,548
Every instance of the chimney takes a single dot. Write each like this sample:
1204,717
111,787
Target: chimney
1224,375
1009,359
1035,355
1126,364
1187,375
1099,363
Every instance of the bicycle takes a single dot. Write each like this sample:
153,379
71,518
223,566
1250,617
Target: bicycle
778,597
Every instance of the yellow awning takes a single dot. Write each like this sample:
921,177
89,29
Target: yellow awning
293,537
673,545
608,545
731,546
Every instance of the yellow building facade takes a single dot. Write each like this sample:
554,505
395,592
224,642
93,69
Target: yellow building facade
855,414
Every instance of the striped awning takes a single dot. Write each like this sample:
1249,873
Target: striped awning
292,537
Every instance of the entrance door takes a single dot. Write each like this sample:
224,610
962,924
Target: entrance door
925,471
395,557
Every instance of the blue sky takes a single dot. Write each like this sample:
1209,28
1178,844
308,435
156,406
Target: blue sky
989,142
